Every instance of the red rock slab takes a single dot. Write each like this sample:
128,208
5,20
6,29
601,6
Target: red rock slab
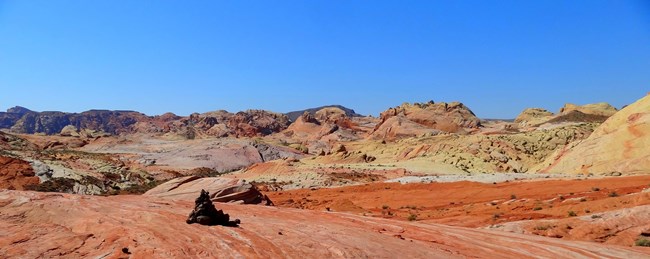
34,225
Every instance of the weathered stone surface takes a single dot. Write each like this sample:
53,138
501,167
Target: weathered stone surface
62,225
221,189
620,144
16,174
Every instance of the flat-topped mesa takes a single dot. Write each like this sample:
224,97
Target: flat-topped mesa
205,213
452,117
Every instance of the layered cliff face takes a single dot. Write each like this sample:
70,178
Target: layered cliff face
619,145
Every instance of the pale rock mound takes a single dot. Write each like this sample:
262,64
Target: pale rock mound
620,144
220,189
603,109
534,116
45,225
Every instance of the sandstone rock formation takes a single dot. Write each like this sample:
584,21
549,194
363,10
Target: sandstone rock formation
597,112
602,109
620,144
16,174
623,226
448,117
222,189
205,213
534,116
63,225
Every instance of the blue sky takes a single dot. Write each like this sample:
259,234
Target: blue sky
497,57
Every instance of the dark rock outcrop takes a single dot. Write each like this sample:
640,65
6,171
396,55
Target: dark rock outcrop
205,213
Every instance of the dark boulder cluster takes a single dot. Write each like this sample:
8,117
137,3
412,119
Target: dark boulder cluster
205,213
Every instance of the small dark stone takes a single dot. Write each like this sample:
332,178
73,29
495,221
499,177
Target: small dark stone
205,213
126,250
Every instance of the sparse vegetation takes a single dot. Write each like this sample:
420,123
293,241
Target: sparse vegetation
537,208
543,227
512,196
642,242
596,216
385,207
412,217
583,199
141,188
613,194
572,213
595,189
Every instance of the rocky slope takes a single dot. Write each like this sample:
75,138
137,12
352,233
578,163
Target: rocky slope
623,226
16,174
619,145
620,205
62,225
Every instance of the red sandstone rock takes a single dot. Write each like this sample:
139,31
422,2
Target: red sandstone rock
63,225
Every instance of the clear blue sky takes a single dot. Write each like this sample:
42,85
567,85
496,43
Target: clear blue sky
497,57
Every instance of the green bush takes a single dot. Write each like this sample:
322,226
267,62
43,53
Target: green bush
642,242
412,217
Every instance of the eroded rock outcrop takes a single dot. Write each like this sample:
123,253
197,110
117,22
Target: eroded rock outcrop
16,174
221,189
534,116
447,117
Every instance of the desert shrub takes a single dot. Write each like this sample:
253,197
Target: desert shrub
58,184
385,207
543,227
613,194
512,196
595,189
537,208
412,217
140,188
595,216
572,213
583,200
642,242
